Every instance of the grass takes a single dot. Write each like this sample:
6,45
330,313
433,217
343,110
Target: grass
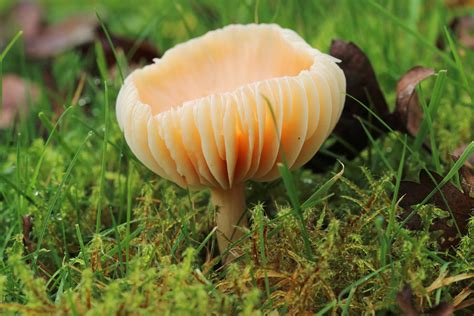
110,237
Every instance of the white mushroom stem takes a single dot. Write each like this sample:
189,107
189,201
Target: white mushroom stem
230,214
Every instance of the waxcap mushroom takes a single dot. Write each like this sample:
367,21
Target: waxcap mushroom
226,107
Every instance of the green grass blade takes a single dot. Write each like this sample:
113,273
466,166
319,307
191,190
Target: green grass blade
18,189
432,109
104,154
458,63
293,195
50,127
48,141
375,145
429,127
393,204
420,38
321,191
109,40
85,257
129,214
53,204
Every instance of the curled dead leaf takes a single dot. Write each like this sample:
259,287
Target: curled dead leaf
363,87
62,36
81,32
27,16
17,94
463,28
408,113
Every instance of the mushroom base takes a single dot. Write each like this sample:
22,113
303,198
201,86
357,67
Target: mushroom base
230,214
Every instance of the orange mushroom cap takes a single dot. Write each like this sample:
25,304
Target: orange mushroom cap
225,107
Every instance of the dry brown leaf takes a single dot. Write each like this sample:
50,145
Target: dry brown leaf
463,28
80,31
27,228
27,16
363,87
407,108
405,300
17,94
442,309
62,36
459,151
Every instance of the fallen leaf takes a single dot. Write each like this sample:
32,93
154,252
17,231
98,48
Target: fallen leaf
458,152
460,204
16,95
467,180
27,228
408,114
81,32
442,309
405,300
27,16
463,29
363,87
62,36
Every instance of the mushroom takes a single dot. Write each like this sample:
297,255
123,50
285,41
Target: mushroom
227,107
